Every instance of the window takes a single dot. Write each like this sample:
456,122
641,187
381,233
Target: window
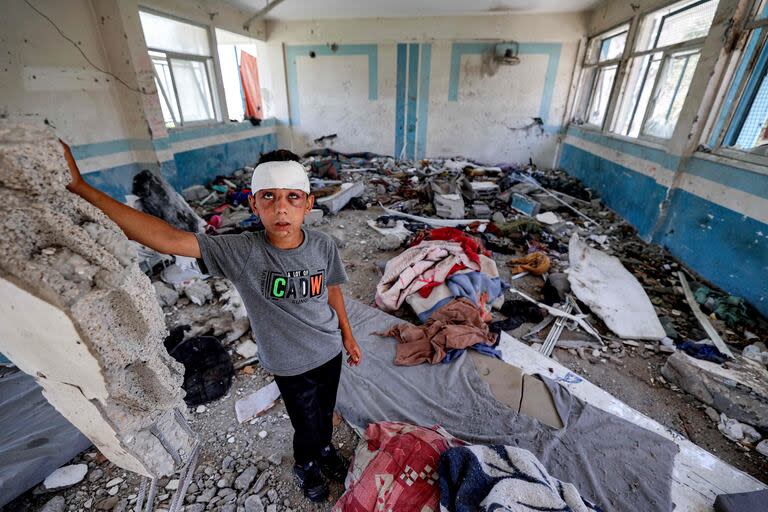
231,47
601,63
181,55
745,109
660,69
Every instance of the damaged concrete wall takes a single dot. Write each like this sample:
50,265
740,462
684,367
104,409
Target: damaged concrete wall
428,87
78,314
709,210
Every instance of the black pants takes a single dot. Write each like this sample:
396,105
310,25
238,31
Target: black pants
310,399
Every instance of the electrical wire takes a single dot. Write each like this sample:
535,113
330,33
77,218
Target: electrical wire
88,60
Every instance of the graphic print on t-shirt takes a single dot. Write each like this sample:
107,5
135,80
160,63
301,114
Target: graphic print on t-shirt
296,286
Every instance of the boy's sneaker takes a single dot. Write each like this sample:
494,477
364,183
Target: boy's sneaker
311,481
334,466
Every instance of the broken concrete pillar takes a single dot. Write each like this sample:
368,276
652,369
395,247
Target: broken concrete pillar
78,314
740,392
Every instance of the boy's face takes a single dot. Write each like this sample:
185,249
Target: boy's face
282,210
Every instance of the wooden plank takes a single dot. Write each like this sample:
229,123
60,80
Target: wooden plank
702,318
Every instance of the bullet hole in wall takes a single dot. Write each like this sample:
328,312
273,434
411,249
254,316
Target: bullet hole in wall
312,54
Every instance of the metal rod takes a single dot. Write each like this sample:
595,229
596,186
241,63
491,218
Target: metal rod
261,13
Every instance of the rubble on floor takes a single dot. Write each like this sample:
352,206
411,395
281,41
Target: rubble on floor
406,203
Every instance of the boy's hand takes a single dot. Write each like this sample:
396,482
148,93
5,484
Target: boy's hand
354,354
74,171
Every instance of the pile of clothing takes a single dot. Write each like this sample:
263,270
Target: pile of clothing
450,281
441,265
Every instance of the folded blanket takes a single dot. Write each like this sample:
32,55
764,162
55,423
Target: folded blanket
501,477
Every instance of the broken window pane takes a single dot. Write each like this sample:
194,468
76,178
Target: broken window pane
165,91
753,132
163,33
193,88
676,23
612,47
601,94
636,93
670,93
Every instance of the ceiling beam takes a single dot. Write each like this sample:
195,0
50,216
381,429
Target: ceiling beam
262,13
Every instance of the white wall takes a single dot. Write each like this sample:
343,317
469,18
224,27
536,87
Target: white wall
492,116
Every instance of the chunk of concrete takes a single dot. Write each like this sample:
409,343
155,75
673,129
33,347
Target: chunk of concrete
256,403
449,206
91,333
738,392
158,198
314,217
166,295
199,292
65,476
339,200
612,293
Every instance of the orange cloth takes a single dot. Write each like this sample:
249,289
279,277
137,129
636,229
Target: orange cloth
536,263
249,77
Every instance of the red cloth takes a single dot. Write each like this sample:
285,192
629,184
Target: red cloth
401,474
249,77
472,246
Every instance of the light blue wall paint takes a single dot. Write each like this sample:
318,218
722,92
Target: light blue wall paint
193,167
292,52
632,195
725,247
720,244
413,92
552,50
424,73
402,62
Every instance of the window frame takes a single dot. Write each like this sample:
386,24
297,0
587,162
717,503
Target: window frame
582,104
666,53
212,71
734,105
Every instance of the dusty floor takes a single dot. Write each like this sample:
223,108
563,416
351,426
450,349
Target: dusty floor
230,448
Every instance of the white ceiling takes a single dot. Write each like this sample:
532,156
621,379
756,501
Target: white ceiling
291,10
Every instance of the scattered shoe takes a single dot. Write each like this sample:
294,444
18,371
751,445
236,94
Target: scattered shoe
311,481
333,465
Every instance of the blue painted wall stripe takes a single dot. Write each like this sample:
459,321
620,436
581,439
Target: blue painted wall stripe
552,50
111,147
402,58
292,52
413,91
421,120
721,173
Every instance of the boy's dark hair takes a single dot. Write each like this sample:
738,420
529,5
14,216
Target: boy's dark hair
279,155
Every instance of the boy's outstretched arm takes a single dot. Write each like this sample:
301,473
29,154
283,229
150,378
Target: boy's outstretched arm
139,226
336,300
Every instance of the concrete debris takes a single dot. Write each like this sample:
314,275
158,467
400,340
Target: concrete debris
257,403
432,221
65,476
756,352
702,318
481,210
98,335
181,273
199,292
253,503
166,296
247,349
246,478
158,198
740,392
548,218
195,193
339,200
612,293
449,206
737,431
314,217
55,504
762,447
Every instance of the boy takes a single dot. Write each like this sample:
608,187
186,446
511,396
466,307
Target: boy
289,278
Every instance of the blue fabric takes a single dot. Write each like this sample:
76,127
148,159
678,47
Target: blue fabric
454,353
465,481
703,351
470,285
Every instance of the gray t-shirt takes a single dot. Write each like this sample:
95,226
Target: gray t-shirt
285,294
